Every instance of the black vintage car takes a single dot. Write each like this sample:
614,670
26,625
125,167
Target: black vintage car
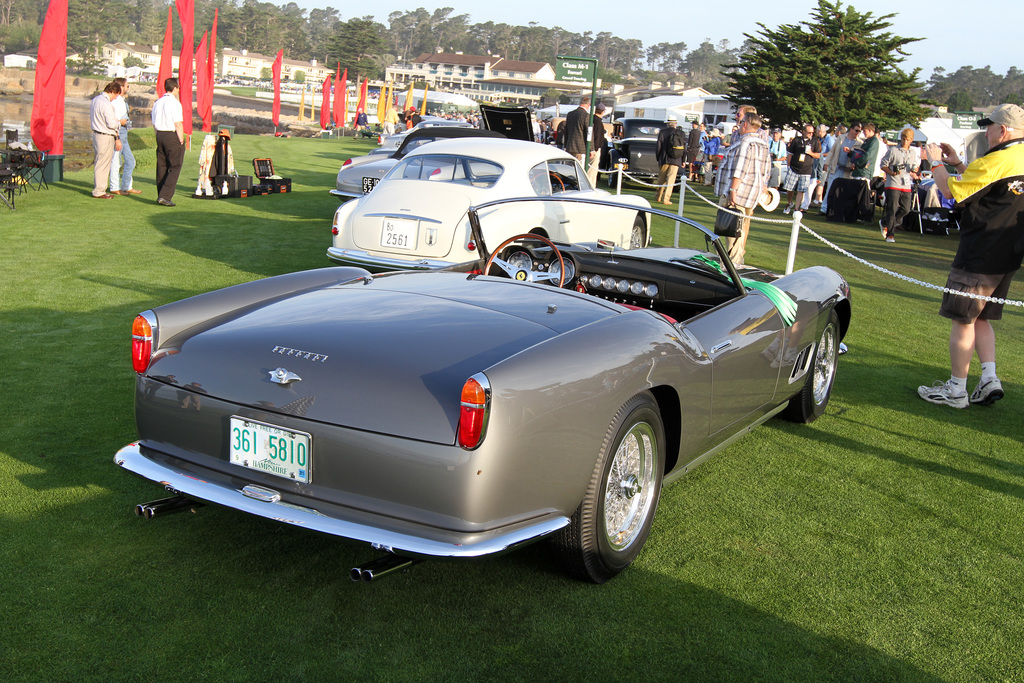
634,142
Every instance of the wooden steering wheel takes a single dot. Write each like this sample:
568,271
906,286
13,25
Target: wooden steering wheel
522,274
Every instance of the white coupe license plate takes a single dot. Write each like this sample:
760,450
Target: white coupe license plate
270,449
369,184
398,233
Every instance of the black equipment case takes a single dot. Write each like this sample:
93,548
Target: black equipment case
264,168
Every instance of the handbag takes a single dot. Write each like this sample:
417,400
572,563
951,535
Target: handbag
727,224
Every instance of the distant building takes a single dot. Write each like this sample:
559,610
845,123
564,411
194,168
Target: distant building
250,65
481,77
21,60
113,55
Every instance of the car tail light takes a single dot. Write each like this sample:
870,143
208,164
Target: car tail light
142,343
473,414
347,162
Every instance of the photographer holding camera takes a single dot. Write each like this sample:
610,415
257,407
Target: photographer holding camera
900,165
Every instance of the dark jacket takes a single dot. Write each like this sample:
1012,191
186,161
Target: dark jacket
670,148
575,139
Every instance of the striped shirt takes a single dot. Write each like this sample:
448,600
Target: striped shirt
750,161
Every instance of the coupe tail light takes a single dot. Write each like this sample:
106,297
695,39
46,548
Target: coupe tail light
142,344
347,162
476,406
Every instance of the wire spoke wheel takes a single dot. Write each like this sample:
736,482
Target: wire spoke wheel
629,489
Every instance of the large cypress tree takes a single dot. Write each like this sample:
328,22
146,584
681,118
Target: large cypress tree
840,66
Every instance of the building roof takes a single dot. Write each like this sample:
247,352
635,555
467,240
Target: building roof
495,61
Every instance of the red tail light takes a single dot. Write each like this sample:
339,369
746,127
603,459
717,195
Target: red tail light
142,344
476,405
347,162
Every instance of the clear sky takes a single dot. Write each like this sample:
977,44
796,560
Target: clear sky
955,33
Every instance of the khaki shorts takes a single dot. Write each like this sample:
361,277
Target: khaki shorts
965,310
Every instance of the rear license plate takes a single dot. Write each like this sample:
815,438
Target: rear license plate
270,449
369,184
398,233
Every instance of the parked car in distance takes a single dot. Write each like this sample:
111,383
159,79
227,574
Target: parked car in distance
416,217
428,122
536,391
359,175
634,143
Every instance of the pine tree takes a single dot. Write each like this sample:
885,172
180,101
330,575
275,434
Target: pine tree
840,66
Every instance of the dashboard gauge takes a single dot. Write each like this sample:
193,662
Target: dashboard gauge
570,269
622,287
636,289
520,260
595,280
651,290
608,283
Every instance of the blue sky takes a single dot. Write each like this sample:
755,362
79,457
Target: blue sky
954,34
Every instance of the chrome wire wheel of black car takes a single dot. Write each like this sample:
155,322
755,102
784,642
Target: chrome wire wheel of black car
638,237
810,403
612,523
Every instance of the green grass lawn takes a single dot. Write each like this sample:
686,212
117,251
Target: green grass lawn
882,542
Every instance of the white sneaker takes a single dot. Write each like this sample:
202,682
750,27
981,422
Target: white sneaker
788,210
944,394
881,226
987,393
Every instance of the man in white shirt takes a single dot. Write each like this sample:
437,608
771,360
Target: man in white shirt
104,137
170,141
121,180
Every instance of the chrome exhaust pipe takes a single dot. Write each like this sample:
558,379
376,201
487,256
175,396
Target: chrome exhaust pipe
381,566
166,506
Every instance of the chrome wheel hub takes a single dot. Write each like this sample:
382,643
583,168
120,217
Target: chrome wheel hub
628,491
824,365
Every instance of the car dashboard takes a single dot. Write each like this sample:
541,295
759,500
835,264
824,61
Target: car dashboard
678,287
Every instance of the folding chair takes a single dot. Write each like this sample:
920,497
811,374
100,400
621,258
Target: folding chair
9,175
34,172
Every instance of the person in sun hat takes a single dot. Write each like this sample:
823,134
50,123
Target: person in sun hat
989,193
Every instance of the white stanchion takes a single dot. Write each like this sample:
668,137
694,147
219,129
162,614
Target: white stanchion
794,234
682,200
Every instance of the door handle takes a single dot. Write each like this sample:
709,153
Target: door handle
718,347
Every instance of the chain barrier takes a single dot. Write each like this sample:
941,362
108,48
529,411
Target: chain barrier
844,252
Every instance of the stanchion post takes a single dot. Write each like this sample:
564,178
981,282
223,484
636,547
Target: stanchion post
682,200
618,180
793,235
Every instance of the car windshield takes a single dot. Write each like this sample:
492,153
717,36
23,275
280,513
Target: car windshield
557,176
648,129
448,168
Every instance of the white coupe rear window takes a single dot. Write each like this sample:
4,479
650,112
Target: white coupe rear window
447,168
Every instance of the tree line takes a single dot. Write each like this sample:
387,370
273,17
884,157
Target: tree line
838,64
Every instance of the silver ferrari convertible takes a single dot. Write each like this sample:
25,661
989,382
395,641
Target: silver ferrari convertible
540,391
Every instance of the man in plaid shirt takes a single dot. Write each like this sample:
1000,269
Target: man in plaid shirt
742,178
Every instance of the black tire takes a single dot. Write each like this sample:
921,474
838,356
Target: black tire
809,404
610,526
638,236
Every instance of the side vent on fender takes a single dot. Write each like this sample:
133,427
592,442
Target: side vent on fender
803,363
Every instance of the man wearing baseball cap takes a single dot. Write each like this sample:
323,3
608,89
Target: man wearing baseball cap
989,193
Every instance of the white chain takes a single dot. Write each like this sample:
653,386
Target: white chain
844,252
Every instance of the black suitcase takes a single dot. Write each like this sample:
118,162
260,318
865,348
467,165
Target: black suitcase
849,200
237,185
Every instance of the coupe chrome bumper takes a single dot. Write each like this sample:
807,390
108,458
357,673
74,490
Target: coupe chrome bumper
364,259
461,545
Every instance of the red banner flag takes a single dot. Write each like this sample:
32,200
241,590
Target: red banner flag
325,106
204,87
47,122
186,13
276,71
211,64
165,57
361,104
339,115
343,108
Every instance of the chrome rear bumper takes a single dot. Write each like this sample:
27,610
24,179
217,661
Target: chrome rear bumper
460,545
363,259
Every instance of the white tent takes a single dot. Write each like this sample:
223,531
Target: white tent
708,108
969,144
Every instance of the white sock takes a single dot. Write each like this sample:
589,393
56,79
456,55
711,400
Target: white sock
988,371
960,383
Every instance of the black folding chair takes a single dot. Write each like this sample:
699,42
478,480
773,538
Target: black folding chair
9,183
34,172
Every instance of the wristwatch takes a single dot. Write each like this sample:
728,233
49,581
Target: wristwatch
937,163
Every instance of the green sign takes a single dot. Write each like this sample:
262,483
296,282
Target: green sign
966,119
575,70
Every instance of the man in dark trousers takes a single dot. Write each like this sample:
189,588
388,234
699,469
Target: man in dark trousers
170,142
990,196
577,122
669,150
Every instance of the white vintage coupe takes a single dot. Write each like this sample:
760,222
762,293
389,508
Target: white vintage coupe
416,216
